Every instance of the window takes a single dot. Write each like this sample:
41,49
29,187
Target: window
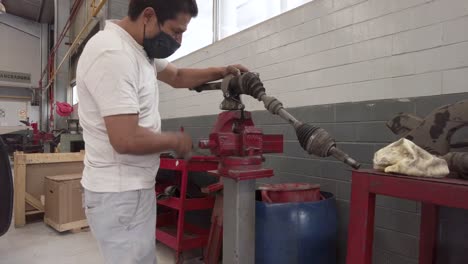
291,4
237,15
232,17
74,95
200,31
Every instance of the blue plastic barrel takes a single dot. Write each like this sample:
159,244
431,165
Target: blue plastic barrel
296,233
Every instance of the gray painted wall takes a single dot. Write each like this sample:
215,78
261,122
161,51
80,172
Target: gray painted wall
24,49
20,51
360,130
117,9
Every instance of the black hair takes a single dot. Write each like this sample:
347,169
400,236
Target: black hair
164,9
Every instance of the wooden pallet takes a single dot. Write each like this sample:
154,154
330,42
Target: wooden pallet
74,227
29,173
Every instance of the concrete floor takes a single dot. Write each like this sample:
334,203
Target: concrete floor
37,243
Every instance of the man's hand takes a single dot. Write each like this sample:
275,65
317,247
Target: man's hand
189,78
183,145
235,70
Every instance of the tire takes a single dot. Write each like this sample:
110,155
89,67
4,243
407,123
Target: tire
6,189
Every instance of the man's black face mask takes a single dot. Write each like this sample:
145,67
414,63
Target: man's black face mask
161,46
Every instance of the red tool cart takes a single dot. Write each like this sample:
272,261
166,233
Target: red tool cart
171,229
431,192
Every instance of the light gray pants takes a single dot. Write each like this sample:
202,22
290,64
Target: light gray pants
124,224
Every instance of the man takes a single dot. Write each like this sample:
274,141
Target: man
117,85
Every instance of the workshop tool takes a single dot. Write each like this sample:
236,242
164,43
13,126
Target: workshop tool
434,133
240,146
169,191
314,140
27,140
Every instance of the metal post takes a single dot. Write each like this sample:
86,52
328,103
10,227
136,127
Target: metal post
216,21
44,106
61,74
239,222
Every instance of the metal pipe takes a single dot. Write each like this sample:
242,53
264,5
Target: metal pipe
15,97
73,12
66,27
39,15
287,116
72,47
275,107
216,20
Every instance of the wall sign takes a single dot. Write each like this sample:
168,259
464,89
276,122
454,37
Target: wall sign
15,77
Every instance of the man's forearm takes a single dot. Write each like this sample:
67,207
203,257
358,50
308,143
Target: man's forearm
189,78
147,142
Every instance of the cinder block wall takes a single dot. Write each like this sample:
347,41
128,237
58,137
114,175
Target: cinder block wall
359,129
333,51
348,66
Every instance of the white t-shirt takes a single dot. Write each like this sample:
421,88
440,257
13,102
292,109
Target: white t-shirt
114,76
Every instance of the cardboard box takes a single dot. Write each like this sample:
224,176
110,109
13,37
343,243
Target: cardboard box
36,173
30,170
63,202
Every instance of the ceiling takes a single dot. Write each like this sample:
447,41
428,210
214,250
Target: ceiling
41,11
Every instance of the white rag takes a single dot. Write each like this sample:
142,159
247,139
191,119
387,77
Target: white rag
405,157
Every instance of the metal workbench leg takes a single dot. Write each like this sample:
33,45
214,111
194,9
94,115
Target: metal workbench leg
361,222
239,222
181,216
428,233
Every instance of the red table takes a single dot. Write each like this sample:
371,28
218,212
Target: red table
431,192
171,228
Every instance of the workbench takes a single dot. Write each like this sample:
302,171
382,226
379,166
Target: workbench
431,192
